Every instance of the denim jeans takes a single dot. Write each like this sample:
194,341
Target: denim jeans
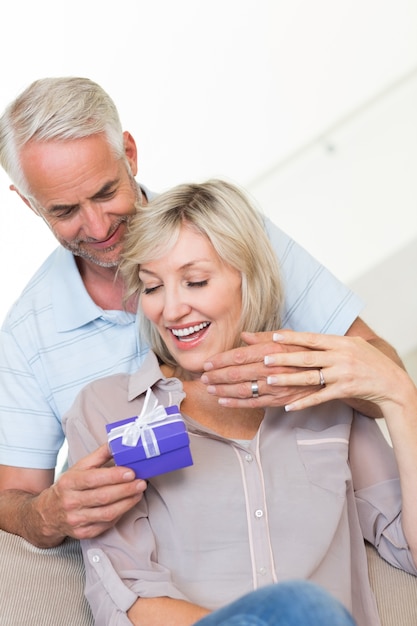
290,603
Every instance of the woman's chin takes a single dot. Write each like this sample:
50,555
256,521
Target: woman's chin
189,371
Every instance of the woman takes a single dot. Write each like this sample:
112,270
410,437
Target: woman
274,495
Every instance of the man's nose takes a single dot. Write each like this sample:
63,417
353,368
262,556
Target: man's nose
95,221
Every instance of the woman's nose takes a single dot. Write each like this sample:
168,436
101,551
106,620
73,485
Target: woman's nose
175,306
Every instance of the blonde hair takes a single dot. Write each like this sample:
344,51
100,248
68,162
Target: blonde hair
222,213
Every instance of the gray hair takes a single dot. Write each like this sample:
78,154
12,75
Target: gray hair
56,109
223,214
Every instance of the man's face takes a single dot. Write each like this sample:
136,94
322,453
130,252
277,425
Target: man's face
84,193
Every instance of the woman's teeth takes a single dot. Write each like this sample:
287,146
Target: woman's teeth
184,332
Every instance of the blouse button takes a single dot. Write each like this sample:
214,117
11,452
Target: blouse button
259,513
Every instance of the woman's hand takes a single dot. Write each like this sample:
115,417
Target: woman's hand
262,374
340,367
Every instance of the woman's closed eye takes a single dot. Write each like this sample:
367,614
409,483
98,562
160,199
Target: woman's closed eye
198,283
189,283
148,290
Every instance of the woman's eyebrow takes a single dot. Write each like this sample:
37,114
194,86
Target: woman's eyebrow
186,266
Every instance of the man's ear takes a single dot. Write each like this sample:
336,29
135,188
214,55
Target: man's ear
25,200
131,152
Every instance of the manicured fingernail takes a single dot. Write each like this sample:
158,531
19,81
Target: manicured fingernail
277,337
271,380
208,366
204,379
269,360
288,407
211,389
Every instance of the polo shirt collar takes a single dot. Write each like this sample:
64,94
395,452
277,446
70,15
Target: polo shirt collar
73,307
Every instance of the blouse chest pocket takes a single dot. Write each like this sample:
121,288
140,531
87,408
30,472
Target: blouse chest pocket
324,455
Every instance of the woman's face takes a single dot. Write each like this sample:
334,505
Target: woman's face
194,300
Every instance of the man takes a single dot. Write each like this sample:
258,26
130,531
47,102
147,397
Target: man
62,145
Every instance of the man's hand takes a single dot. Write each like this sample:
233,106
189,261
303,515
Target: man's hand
229,375
85,501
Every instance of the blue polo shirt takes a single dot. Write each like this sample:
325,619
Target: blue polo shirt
55,339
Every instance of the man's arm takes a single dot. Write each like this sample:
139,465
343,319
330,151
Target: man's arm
360,329
84,502
229,375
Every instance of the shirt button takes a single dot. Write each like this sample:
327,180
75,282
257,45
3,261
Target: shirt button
259,513
262,571
96,558
249,458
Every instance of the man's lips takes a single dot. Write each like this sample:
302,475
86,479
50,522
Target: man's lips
114,238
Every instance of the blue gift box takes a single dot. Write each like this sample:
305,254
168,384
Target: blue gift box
156,444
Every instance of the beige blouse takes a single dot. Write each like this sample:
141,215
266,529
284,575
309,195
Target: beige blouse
295,502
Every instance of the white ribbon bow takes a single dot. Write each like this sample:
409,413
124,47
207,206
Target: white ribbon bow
141,427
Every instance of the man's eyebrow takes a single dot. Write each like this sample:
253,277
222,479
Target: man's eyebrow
62,208
105,189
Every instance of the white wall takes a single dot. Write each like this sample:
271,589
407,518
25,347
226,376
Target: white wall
350,197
